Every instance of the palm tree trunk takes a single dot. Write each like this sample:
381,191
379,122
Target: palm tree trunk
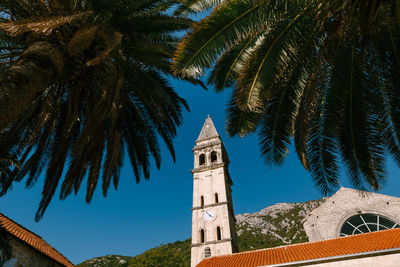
39,65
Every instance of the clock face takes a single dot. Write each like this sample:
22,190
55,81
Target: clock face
209,215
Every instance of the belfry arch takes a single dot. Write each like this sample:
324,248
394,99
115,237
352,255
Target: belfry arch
214,157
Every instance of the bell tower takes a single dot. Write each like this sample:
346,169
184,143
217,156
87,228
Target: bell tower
213,221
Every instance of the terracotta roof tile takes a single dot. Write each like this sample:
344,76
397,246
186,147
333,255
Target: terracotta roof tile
32,239
354,244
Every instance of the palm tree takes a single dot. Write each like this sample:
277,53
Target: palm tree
81,82
324,74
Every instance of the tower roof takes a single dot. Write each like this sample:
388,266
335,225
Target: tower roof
208,131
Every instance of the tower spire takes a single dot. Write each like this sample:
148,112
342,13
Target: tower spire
208,131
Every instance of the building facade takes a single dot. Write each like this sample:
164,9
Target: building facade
349,229
377,249
213,220
349,212
20,247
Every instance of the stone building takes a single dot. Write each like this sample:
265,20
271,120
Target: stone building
349,212
20,247
349,229
213,220
377,249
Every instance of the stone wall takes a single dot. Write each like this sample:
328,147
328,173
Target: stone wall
325,222
24,255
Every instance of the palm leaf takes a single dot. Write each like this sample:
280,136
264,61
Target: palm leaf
226,26
41,26
226,68
82,39
196,6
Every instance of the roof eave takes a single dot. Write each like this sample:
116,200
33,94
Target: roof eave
338,258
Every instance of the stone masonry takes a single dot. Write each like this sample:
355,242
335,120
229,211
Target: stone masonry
25,256
326,221
213,221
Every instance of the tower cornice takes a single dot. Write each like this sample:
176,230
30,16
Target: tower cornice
208,144
209,167
210,205
211,242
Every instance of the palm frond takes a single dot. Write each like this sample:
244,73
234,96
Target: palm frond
82,39
40,25
223,28
241,122
74,91
196,6
228,65
345,106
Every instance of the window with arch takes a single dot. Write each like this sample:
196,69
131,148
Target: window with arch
216,197
202,159
207,252
202,201
219,236
367,222
202,237
213,156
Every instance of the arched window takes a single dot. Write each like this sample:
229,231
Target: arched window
202,236
364,223
202,159
219,233
207,252
216,197
202,202
213,156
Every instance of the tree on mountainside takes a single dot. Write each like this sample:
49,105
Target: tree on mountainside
81,81
324,74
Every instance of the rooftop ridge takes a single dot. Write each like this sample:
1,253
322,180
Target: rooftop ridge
8,218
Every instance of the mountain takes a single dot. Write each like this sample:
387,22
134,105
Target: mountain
276,225
109,261
174,254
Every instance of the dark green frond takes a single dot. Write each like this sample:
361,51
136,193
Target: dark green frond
344,62
231,22
82,83
225,71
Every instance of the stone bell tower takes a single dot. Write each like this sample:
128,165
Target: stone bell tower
213,221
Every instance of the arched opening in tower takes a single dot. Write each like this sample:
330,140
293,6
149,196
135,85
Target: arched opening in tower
202,159
213,156
218,233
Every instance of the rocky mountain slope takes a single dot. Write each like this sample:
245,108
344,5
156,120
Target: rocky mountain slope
276,225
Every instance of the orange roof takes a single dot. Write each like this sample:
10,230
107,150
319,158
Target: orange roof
354,244
33,240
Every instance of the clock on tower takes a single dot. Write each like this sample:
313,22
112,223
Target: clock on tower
213,221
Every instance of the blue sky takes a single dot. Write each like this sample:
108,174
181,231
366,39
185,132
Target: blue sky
141,216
